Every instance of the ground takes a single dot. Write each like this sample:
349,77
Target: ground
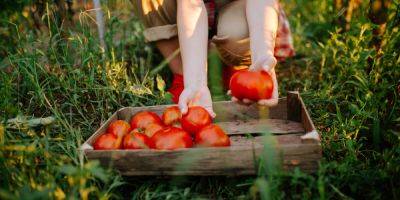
346,72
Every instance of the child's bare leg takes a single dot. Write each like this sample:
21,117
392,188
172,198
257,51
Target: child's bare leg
167,49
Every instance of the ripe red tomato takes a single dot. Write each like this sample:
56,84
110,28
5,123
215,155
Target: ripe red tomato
251,85
171,116
119,128
144,118
107,141
212,136
196,118
152,128
171,138
136,140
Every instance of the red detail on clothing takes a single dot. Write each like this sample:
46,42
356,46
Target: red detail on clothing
176,87
284,42
210,5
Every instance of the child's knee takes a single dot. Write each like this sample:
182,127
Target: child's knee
232,39
233,52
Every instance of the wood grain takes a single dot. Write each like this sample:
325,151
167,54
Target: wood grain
293,106
297,112
275,126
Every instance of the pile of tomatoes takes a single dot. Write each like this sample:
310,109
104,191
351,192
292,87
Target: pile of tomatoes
147,130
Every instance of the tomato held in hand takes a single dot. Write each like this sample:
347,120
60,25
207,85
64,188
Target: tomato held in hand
251,85
144,118
212,136
171,116
196,118
171,138
107,141
152,128
119,128
136,140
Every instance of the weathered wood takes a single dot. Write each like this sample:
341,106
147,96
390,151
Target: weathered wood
293,107
283,125
311,132
204,161
229,111
297,112
275,126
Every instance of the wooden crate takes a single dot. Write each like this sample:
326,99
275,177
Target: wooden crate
292,136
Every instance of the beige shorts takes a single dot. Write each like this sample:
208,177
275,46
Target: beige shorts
232,34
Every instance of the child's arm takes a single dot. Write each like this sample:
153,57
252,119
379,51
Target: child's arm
193,40
262,18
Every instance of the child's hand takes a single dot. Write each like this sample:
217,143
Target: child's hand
192,25
196,96
268,66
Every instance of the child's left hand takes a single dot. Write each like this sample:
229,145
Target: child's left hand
268,66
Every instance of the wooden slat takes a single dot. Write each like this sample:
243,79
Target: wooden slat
305,118
230,111
197,161
275,126
293,106
297,111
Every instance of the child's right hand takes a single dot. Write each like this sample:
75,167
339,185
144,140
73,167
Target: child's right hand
268,66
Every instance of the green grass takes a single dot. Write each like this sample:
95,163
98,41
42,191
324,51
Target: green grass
351,90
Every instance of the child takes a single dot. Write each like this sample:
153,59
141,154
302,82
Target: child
243,27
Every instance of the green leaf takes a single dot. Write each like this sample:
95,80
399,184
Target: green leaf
160,83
